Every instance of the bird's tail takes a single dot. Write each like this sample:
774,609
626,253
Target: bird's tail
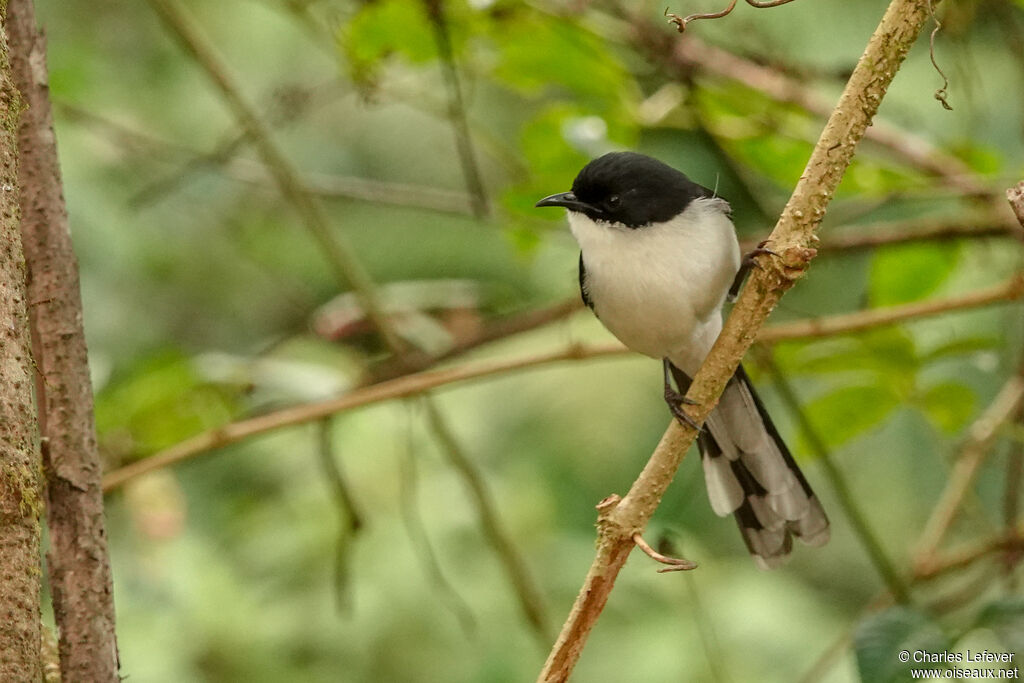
750,473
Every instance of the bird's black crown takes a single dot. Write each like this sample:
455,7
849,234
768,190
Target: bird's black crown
633,189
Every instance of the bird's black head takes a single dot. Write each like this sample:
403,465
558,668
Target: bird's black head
628,188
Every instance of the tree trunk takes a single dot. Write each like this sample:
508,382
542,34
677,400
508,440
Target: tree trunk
79,569
20,490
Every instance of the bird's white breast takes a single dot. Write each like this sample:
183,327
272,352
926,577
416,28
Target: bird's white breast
659,288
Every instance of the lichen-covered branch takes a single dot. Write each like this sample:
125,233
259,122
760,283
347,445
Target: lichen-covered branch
793,239
77,562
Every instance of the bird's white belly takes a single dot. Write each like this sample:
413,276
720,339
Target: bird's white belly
659,289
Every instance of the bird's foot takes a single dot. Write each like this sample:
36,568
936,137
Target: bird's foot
675,401
675,564
748,263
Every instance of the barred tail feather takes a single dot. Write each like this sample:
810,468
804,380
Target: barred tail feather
751,474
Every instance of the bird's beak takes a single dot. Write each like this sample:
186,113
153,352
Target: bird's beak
567,200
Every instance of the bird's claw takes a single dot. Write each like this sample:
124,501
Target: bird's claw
674,400
749,262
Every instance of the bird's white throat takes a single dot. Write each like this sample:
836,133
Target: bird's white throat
660,288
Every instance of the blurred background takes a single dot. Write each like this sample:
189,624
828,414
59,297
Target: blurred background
443,536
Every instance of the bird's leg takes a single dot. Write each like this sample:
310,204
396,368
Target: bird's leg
748,263
675,399
675,564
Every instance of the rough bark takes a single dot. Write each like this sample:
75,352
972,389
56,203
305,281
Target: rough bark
20,485
79,570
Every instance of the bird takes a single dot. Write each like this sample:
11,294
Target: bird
658,259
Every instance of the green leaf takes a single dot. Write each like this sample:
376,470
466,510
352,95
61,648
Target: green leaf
537,53
384,28
910,272
949,405
881,638
890,353
961,347
849,411
160,402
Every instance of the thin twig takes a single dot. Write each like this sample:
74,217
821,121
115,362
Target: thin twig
329,186
681,22
941,93
847,501
1011,290
526,590
408,495
981,436
693,54
1014,471
410,385
675,564
347,269
958,558
225,151
350,519
851,238
401,387
494,330
457,108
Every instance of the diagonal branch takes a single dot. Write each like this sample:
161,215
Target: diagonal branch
858,520
693,53
981,436
408,494
457,107
526,590
793,239
347,269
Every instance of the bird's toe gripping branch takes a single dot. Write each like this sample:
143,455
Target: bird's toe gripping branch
677,399
790,264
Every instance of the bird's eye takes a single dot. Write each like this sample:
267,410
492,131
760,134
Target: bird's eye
613,201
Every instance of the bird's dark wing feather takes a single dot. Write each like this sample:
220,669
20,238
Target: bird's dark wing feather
583,285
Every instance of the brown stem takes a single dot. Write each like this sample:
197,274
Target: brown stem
1011,290
981,435
693,54
408,494
526,590
682,22
349,517
871,236
412,384
77,560
675,564
409,385
792,239
347,269
457,108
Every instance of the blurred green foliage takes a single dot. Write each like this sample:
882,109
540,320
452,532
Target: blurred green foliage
201,290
